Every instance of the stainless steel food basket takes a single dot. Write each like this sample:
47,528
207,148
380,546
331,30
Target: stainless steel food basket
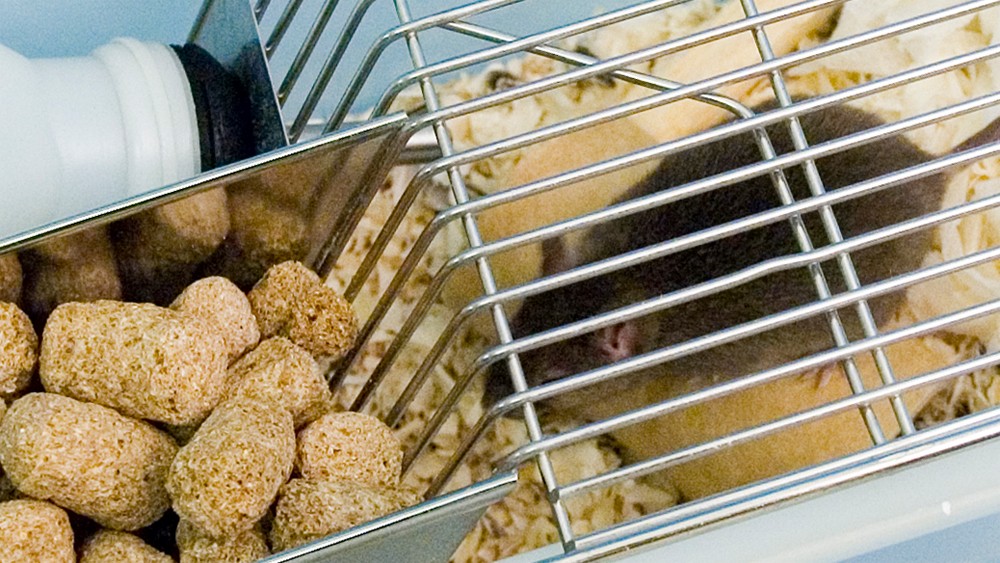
927,489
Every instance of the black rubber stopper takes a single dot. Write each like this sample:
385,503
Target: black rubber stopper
225,120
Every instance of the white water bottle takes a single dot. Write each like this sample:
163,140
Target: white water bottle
82,132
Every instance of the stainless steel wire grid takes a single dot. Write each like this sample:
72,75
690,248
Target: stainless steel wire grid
449,163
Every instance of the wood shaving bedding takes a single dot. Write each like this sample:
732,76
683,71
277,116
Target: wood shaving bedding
523,520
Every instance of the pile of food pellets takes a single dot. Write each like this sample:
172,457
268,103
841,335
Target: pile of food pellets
201,431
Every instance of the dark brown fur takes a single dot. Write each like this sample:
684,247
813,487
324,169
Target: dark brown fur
765,296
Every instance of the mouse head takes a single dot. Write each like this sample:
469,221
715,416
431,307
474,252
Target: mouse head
560,307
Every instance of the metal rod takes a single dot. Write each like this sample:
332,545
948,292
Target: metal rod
816,187
461,195
199,20
306,50
281,26
260,8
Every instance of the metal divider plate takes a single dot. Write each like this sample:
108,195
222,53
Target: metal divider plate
228,30
429,531
323,157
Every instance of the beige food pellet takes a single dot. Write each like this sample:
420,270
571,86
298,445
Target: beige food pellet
48,286
309,510
32,530
72,247
87,458
226,308
282,372
291,301
264,232
76,267
226,477
109,546
10,278
161,249
145,361
352,446
242,548
18,350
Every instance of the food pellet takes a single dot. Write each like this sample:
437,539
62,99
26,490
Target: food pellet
87,458
33,530
352,446
145,361
226,308
109,546
280,371
291,301
224,480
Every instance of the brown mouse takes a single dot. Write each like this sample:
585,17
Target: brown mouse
765,296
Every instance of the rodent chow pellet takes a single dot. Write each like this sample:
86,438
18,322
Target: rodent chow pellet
226,308
224,479
87,458
143,360
34,530
350,446
282,372
291,301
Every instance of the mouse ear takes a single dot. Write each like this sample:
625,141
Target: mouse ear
618,342
557,256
